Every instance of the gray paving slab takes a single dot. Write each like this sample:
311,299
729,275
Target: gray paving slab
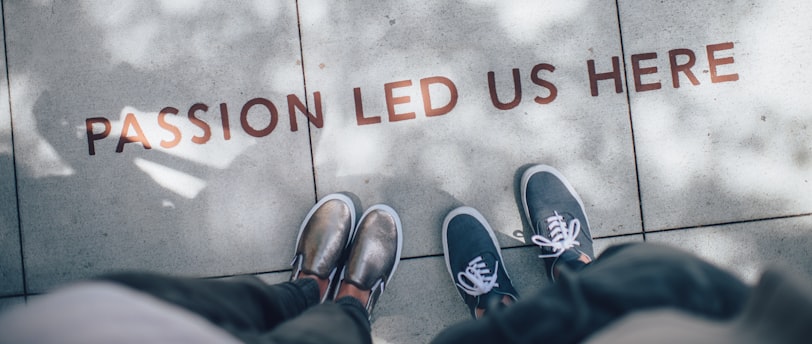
410,119
274,277
602,244
747,249
729,138
11,275
206,85
8,303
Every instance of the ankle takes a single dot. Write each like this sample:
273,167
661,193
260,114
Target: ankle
322,282
347,289
506,301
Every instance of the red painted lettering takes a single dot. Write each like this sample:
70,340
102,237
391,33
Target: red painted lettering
131,121
359,110
534,76
595,77
294,103
202,125
391,101
714,62
170,128
271,110
438,80
93,136
639,86
684,68
517,91
224,121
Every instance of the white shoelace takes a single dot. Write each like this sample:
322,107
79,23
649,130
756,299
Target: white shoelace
562,235
475,280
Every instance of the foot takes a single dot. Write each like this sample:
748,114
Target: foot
556,214
374,256
474,260
323,237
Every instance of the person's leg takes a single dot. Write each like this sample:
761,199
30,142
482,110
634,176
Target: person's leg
345,321
245,306
240,305
625,279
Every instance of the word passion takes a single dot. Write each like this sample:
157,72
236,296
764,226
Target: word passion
681,62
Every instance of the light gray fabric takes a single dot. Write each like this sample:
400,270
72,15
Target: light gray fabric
101,312
664,327
779,311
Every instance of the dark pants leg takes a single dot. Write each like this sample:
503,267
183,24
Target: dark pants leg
623,280
253,311
345,321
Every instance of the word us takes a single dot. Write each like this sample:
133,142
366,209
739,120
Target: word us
681,64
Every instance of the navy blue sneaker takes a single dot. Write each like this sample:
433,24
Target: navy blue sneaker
474,260
556,215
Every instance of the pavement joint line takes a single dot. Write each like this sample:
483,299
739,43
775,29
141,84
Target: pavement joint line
11,296
731,223
307,103
437,255
14,156
631,120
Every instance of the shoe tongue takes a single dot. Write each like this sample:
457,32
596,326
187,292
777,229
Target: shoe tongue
567,216
490,259
570,255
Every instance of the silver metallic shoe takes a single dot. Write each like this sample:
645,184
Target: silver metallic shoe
323,237
375,252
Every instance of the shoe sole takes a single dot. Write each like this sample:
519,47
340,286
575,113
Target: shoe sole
477,215
549,169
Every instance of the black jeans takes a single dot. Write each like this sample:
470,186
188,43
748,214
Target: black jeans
624,279
255,312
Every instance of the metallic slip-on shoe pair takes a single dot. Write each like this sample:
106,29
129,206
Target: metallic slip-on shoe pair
329,230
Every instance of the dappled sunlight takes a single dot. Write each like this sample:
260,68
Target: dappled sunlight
772,36
5,124
211,195
524,20
42,160
733,144
46,162
136,34
675,152
181,183
180,7
358,154
461,169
